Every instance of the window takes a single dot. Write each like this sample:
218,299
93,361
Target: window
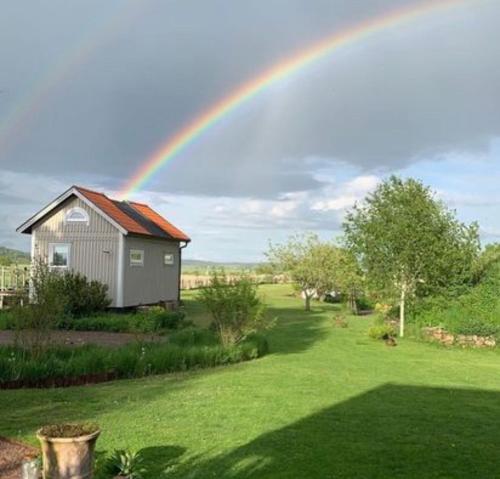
77,215
59,255
168,259
136,257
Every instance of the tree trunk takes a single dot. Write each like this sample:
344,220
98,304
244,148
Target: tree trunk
307,302
353,303
402,304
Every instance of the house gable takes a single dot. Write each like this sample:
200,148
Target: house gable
40,217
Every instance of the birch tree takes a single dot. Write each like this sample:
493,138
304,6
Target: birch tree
408,242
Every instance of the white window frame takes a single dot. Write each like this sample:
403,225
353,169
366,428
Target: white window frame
81,211
136,262
171,262
52,247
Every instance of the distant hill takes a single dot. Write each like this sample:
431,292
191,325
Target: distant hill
195,264
10,256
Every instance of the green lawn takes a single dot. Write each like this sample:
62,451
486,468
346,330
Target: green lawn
325,403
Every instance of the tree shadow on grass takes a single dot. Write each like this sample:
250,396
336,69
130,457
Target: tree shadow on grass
297,330
390,432
161,460
22,411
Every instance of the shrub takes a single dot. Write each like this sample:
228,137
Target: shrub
476,312
126,464
82,297
154,320
33,323
382,331
235,307
164,319
364,304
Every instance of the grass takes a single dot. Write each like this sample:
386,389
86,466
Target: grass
326,402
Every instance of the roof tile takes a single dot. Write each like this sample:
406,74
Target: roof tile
126,221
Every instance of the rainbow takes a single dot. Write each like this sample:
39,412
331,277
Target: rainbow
249,90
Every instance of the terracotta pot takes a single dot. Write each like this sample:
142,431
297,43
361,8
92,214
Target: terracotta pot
68,457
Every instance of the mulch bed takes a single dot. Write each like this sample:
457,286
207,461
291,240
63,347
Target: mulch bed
12,455
82,380
81,338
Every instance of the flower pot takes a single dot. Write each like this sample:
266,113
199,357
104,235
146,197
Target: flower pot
68,457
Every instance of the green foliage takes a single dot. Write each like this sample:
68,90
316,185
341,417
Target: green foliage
34,322
381,331
364,303
310,263
126,464
81,296
151,321
180,353
408,243
477,311
235,307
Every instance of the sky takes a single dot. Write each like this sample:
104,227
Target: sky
89,90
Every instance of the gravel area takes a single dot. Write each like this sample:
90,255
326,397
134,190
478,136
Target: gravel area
12,455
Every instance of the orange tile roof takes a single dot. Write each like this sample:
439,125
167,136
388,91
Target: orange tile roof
157,219
132,223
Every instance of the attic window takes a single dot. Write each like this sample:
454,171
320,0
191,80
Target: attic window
77,215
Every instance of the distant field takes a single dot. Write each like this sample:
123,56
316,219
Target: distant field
194,280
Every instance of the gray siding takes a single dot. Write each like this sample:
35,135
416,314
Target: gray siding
154,281
94,247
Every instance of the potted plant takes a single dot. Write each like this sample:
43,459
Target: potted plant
126,465
68,450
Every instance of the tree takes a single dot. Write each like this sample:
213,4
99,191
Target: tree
310,263
5,261
409,243
349,279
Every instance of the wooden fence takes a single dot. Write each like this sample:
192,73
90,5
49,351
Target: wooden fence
14,278
194,281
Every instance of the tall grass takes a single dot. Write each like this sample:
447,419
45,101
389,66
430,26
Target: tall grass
185,350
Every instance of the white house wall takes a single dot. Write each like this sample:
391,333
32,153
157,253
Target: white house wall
94,247
154,281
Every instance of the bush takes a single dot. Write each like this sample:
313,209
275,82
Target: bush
185,350
381,331
235,307
81,296
152,321
476,312
364,304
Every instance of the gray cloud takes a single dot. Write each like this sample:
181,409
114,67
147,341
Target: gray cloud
421,90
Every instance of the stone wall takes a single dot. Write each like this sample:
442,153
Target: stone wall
444,337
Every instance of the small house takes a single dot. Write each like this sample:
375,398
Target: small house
126,245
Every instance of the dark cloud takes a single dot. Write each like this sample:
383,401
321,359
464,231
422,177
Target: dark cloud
427,88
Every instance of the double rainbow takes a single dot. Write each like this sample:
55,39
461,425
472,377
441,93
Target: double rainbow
184,137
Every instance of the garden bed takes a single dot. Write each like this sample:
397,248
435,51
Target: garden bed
83,338
66,366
